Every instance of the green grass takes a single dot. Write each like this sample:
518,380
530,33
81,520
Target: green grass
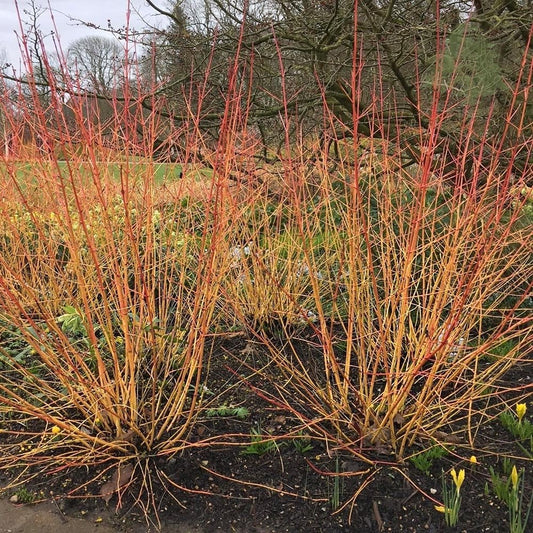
162,172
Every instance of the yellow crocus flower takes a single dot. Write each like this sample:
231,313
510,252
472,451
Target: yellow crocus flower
514,477
521,409
458,478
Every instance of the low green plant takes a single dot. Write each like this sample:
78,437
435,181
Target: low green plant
516,423
302,443
518,516
451,496
500,484
424,460
15,350
509,488
337,488
23,495
227,411
72,322
260,444
501,350
18,353
528,452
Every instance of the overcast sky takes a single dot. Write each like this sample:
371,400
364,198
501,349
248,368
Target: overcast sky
67,15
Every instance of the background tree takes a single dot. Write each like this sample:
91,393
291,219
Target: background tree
469,53
98,62
315,41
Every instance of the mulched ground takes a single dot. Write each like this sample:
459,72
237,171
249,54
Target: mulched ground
291,490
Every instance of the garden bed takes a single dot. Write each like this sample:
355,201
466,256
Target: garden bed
291,484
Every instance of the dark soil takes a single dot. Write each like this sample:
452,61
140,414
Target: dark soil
289,489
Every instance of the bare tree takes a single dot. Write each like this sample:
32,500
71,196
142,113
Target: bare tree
98,62
397,44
